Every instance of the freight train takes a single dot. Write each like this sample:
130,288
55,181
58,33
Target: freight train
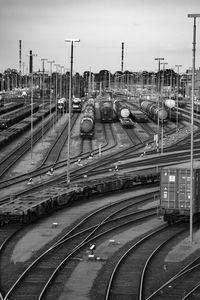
12,132
154,112
76,105
106,111
14,117
25,209
171,108
175,188
63,105
88,119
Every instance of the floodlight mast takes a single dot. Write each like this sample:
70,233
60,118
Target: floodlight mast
192,124
71,40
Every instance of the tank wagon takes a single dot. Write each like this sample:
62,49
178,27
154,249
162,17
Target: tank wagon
175,192
88,119
106,111
138,116
76,105
121,110
15,117
63,105
171,108
154,112
25,209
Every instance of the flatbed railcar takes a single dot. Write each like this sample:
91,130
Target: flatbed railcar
107,111
154,112
25,209
175,187
126,122
12,132
10,106
15,117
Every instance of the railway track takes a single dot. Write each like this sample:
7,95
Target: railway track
127,278
36,277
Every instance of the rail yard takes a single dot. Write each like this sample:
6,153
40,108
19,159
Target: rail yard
121,200
99,164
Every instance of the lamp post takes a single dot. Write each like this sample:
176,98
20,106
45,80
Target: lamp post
50,62
158,90
43,60
57,66
61,78
177,66
163,80
72,41
194,16
31,75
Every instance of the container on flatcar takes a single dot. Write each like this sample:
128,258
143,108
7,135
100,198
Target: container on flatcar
175,188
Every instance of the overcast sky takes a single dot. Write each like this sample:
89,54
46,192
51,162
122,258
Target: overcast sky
148,28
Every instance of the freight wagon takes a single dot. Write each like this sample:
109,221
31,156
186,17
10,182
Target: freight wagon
154,112
121,110
15,117
106,111
126,122
139,116
25,209
173,114
63,105
12,132
10,106
175,189
76,105
180,100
